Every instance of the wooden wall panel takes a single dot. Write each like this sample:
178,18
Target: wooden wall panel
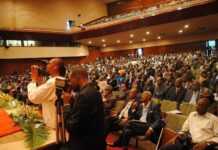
129,5
49,14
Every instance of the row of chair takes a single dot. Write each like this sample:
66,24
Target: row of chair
166,106
173,121
185,108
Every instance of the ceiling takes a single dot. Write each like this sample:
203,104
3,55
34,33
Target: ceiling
109,1
200,25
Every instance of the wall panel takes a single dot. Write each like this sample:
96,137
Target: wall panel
129,5
49,14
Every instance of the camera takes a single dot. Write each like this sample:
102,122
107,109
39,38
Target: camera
42,72
62,84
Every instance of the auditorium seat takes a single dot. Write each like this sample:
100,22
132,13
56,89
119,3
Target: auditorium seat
115,93
167,136
187,108
118,106
175,121
167,105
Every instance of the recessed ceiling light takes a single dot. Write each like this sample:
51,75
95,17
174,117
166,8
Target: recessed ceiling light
130,42
180,31
147,32
131,35
159,37
186,26
143,40
141,17
104,45
90,42
179,8
103,40
118,41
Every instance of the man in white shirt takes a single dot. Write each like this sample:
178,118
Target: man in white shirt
202,127
118,120
149,123
45,94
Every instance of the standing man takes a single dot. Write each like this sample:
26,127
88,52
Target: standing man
84,120
45,93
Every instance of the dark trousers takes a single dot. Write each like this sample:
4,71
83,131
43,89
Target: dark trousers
134,128
113,124
85,143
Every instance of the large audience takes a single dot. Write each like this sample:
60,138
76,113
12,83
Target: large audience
188,77
180,77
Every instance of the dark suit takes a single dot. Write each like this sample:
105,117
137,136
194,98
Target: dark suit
84,120
189,94
136,127
160,91
115,123
178,96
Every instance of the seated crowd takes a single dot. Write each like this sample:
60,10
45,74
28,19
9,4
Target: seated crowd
141,83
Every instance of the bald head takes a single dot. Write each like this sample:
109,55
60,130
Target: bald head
79,72
132,93
56,67
78,78
146,97
202,105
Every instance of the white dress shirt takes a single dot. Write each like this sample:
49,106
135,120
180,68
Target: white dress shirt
145,113
45,94
125,111
202,128
194,98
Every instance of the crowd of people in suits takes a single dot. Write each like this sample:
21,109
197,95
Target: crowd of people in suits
179,77
15,85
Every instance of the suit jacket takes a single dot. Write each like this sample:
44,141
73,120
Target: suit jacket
189,94
178,97
84,120
132,114
159,92
109,105
154,118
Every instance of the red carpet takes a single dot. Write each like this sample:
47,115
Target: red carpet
7,125
111,138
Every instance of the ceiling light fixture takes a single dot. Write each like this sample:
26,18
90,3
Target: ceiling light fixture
130,42
118,41
179,8
147,32
90,42
104,45
131,35
180,31
186,26
143,40
103,40
159,37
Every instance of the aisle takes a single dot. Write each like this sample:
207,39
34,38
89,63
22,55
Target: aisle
111,138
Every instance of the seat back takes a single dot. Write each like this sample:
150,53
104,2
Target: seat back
167,105
175,121
187,108
119,104
167,135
